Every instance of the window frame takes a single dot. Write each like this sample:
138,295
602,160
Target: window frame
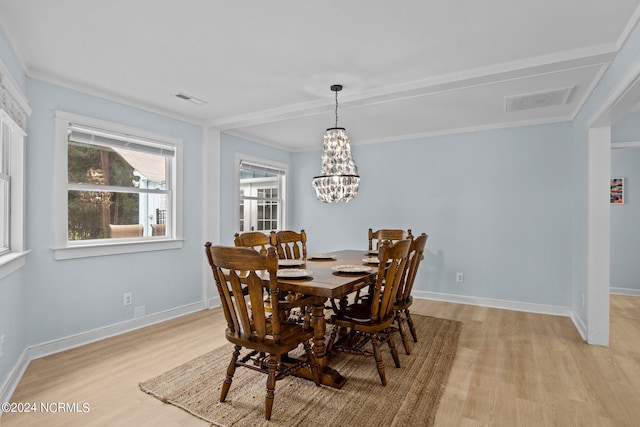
14,258
66,249
283,188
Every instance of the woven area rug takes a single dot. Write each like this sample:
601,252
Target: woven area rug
410,398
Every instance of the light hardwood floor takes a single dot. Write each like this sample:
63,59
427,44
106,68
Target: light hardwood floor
511,369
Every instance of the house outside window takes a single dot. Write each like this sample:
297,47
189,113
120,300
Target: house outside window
119,186
261,196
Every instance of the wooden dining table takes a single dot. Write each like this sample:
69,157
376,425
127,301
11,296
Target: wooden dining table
325,283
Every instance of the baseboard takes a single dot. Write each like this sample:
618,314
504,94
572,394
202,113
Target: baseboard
9,386
625,291
214,302
61,344
496,303
580,326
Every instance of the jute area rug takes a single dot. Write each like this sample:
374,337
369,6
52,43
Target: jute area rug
410,398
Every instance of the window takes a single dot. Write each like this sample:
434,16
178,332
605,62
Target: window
261,193
14,110
118,188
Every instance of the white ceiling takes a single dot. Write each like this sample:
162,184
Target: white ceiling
409,68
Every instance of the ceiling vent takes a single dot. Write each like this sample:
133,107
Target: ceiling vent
539,99
190,98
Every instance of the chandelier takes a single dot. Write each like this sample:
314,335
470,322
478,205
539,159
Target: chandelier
339,181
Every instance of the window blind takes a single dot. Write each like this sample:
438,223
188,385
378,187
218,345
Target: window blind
87,135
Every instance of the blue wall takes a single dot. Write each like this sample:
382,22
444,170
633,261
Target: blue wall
495,204
72,296
625,219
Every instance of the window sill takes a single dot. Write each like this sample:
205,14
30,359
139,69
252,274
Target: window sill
11,262
115,248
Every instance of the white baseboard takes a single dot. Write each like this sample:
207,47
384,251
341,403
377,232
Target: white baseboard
528,307
496,303
61,344
14,377
625,291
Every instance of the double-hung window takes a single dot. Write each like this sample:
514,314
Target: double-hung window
14,111
261,194
120,188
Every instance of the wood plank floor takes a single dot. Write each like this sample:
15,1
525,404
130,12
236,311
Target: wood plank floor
511,369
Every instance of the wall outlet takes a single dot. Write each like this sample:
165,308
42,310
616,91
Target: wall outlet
128,298
459,277
1,345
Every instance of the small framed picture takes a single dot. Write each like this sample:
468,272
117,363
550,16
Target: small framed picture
617,191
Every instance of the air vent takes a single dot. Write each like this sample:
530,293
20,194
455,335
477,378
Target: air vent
190,98
538,100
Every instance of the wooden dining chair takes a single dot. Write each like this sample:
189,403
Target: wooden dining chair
361,323
378,236
403,297
290,244
253,239
266,337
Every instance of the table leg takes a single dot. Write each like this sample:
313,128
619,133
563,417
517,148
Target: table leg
328,376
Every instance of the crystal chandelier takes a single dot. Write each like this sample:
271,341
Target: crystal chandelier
339,180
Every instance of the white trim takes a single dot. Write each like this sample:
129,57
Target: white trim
625,144
12,262
110,96
635,17
14,377
625,291
551,310
63,249
236,185
598,234
528,307
72,341
115,248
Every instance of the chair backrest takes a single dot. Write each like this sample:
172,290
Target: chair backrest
416,255
158,229
127,230
253,239
234,267
289,244
393,259
387,234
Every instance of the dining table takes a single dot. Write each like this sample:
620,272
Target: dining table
328,276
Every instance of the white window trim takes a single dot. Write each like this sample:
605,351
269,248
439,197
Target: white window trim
17,103
63,249
236,185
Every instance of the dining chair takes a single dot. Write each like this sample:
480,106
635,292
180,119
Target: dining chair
253,239
267,338
125,230
386,234
361,323
403,296
158,229
290,244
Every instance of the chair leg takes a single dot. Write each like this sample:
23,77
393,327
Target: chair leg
403,332
332,339
392,347
378,358
411,327
231,369
271,387
311,361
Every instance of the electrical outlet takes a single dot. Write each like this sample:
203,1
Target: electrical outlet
459,277
128,298
1,345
